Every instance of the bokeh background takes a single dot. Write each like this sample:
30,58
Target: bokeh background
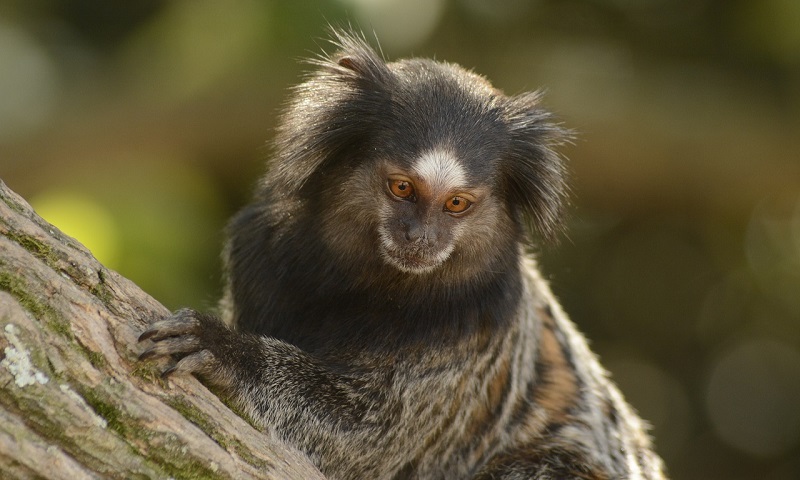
139,127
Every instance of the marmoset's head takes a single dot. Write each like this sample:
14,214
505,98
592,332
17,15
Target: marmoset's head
420,163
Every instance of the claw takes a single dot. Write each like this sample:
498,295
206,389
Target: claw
147,334
172,346
147,354
181,323
193,363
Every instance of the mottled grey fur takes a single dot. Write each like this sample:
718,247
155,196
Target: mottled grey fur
387,336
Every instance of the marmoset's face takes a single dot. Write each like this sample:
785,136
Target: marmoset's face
419,215
425,212
431,210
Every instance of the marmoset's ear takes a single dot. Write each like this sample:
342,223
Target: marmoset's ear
534,172
355,58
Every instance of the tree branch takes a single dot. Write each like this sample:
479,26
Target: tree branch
75,403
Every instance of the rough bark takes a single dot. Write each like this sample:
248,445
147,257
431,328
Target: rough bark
74,401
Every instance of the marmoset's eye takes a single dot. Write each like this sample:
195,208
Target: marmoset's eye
401,189
457,205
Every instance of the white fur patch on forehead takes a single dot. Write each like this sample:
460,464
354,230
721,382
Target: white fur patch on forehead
440,170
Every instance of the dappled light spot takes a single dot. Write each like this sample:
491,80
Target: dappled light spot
84,218
753,397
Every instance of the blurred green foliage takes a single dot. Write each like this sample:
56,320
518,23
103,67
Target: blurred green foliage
139,127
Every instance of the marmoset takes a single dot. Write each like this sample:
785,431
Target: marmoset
381,314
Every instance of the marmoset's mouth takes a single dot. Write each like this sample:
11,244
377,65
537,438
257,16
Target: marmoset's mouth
413,261
414,264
